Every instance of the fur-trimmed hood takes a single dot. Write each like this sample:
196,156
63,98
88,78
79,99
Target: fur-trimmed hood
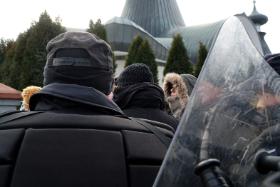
176,103
175,80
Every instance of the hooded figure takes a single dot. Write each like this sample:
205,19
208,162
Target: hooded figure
138,96
177,89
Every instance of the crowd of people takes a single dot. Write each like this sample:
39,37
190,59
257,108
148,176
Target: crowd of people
134,90
92,127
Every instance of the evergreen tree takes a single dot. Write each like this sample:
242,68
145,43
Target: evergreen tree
2,50
202,54
2,58
16,67
145,55
7,50
98,29
91,27
30,53
133,50
5,45
178,60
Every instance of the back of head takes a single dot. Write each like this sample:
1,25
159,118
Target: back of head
274,61
135,88
79,58
133,74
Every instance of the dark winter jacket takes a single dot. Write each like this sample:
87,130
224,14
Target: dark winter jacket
74,136
144,100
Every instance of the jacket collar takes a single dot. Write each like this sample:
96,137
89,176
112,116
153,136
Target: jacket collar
75,93
143,95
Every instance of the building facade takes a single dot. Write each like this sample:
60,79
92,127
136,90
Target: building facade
159,20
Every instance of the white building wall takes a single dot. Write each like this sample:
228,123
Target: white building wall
120,67
160,74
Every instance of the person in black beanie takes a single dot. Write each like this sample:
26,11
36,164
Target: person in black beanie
78,76
138,96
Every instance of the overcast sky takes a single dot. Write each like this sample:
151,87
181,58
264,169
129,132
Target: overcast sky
17,15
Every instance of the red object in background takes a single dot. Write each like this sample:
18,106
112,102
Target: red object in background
7,92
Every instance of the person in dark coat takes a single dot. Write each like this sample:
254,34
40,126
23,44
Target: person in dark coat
138,96
74,135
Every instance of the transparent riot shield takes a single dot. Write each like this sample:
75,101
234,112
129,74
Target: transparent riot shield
233,112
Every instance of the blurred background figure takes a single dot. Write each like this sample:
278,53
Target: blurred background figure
26,95
177,89
189,81
138,96
267,99
274,61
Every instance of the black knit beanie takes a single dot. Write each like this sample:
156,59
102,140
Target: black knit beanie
133,74
79,58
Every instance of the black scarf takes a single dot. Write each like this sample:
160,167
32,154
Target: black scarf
142,95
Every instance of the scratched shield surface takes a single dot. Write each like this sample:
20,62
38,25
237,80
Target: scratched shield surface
233,112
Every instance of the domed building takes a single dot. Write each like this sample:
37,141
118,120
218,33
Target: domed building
159,20
260,19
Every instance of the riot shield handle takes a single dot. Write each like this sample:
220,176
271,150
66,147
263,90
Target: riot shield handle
211,174
265,162
272,181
